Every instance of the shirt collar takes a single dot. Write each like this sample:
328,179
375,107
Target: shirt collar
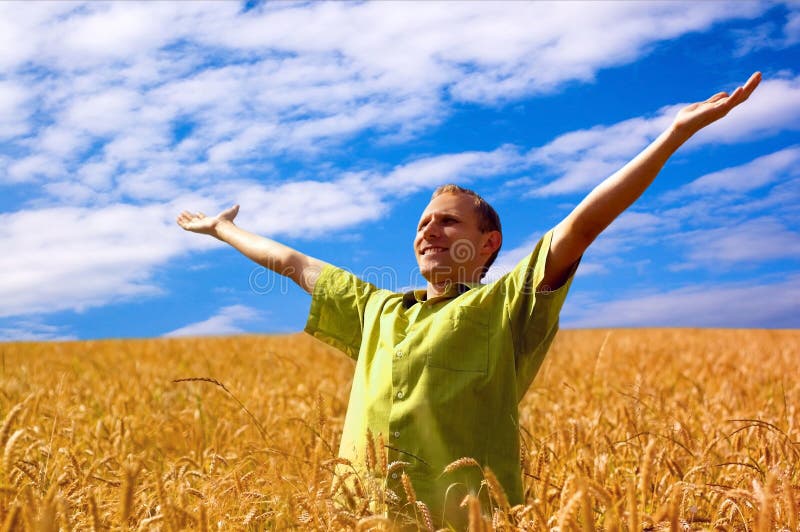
420,295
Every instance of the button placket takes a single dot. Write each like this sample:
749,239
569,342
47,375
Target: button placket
399,369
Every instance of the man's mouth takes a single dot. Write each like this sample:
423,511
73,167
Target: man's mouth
430,250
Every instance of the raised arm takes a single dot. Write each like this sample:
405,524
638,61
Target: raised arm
610,198
301,268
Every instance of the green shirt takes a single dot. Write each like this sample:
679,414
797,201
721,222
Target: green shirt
441,378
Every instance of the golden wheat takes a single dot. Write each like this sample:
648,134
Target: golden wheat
657,429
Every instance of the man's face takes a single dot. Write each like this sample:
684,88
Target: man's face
449,245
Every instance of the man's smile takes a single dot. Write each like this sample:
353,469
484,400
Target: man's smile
430,250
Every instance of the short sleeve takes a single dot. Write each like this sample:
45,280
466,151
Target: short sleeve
338,305
532,315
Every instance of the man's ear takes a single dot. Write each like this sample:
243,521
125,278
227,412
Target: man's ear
493,242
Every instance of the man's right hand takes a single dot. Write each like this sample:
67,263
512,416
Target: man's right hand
198,222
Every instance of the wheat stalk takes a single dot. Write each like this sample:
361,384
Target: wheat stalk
495,489
465,461
215,382
426,515
411,495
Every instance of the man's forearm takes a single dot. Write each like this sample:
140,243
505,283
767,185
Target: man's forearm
603,204
616,193
279,258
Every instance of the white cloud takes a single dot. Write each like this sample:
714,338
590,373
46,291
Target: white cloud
73,258
32,330
757,240
436,170
309,208
108,111
792,28
33,167
755,174
14,110
771,34
228,320
22,29
572,41
774,305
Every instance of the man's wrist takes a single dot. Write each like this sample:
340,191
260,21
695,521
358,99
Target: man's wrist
222,229
675,136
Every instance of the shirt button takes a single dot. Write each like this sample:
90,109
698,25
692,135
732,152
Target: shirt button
394,476
399,354
396,434
399,395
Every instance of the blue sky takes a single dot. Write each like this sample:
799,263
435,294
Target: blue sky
331,123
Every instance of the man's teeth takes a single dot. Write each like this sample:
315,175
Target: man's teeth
432,250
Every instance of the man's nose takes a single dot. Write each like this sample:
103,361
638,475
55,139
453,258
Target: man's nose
431,229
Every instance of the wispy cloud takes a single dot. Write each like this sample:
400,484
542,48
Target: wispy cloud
772,35
74,258
756,240
32,330
232,319
767,304
759,172
464,167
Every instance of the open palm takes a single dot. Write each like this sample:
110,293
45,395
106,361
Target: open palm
696,116
197,222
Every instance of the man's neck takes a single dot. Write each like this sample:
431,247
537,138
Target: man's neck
440,289
436,290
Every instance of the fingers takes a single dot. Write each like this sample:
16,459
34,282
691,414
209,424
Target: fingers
185,218
741,94
753,81
751,84
744,92
230,213
717,97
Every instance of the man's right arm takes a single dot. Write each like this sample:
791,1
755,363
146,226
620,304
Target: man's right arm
299,267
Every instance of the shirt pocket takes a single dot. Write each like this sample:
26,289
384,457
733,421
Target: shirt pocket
461,341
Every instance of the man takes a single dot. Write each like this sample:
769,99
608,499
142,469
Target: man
440,371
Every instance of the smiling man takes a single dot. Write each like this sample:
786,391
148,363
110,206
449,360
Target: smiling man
439,371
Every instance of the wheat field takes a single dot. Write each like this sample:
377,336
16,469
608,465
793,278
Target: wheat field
670,429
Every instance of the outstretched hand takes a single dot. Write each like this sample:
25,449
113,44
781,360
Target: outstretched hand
198,222
696,116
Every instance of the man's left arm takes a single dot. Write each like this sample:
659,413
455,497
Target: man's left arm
610,198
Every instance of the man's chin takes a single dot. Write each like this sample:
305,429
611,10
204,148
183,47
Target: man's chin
439,278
